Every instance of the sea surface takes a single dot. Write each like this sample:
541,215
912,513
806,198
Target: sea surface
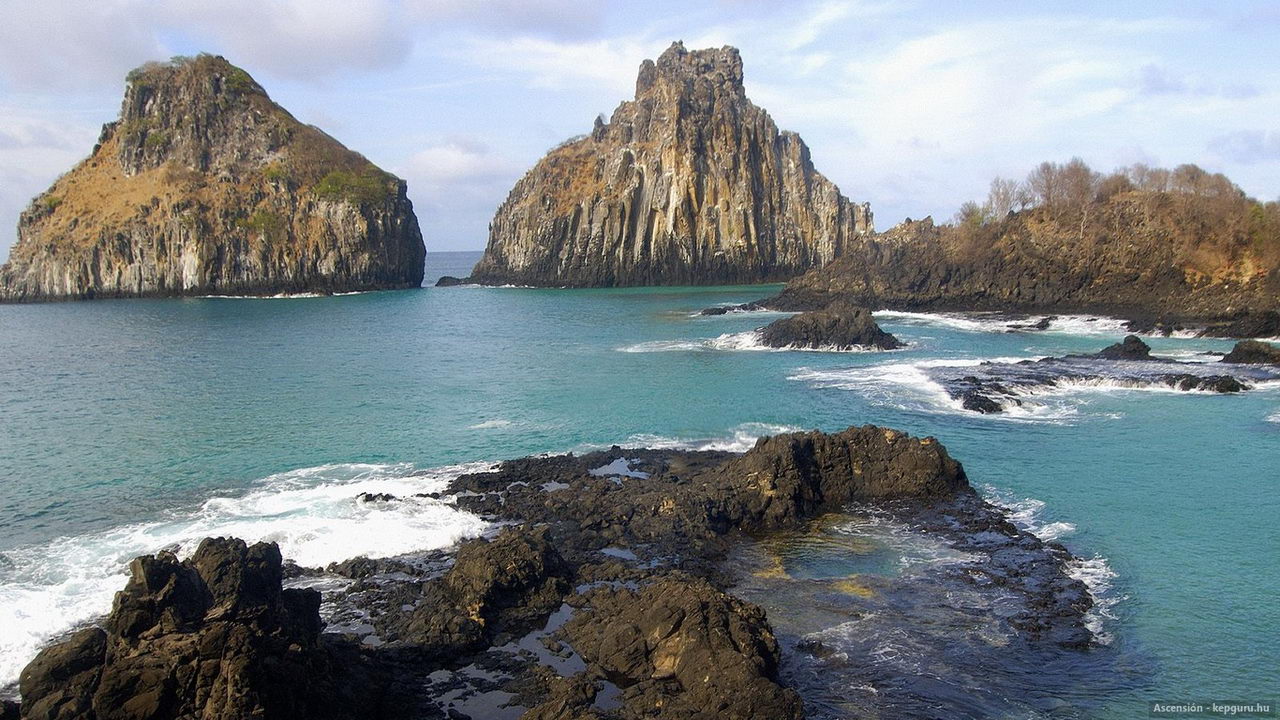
134,425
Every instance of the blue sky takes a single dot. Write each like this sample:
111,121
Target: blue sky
912,106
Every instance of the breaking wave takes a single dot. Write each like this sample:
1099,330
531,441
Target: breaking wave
313,514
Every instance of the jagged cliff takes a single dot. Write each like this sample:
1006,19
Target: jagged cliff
205,186
1170,256
690,183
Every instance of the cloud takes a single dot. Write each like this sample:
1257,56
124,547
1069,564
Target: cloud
1247,147
548,18
52,44
455,185
610,63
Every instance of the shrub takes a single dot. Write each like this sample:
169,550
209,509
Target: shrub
156,139
51,202
267,223
369,187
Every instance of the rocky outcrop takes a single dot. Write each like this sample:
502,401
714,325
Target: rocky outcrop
212,637
1131,348
1253,352
680,630
204,186
689,183
839,326
1165,259
601,597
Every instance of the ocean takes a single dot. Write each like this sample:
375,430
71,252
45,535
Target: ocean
130,426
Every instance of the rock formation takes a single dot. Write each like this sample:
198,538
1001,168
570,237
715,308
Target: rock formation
542,611
213,637
1253,352
689,183
204,186
1162,259
839,326
1131,348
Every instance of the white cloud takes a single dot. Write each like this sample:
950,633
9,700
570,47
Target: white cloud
455,186
554,18
53,44
297,38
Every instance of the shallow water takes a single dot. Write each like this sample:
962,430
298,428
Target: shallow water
133,425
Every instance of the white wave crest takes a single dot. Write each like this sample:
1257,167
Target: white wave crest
908,386
740,439
1095,573
490,424
749,340
1099,578
312,513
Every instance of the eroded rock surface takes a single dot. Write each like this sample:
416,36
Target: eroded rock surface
212,637
689,183
204,186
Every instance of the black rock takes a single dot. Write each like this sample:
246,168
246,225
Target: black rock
838,326
1253,352
1131,348
451,281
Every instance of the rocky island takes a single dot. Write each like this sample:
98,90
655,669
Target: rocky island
690,183
1163,249
205,186
603,593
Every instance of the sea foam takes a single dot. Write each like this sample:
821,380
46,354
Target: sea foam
312,513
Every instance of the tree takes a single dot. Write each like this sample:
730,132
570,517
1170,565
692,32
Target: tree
1045,184
1006,196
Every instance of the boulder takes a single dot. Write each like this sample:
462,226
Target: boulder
1131,348
681,648
839,326
1253,352
211,637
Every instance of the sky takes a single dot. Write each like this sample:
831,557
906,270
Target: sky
911,105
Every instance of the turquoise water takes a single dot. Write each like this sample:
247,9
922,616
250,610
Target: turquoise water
132,425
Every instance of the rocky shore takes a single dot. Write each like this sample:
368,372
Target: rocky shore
997,387
602,593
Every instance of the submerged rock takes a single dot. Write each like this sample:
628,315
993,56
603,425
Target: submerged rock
838,326
1253,352
205,186
689,183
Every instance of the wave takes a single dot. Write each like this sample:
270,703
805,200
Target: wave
997,322
1274,417
1095,572
490,424
312,513
739,439
909,386
749,340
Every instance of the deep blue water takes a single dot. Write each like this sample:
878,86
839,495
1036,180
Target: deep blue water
132,425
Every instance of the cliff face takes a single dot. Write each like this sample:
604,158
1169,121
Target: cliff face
690,183
205,186
1142,255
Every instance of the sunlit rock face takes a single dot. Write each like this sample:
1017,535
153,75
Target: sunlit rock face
205,186
689,183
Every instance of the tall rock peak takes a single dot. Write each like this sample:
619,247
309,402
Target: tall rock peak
687,183
204,186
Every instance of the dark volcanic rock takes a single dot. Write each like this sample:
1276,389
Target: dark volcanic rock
838,326
1212,383
205,186
682,645
211,637
1248,325
451,281
688,183
1253,352
494,586
1131,348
